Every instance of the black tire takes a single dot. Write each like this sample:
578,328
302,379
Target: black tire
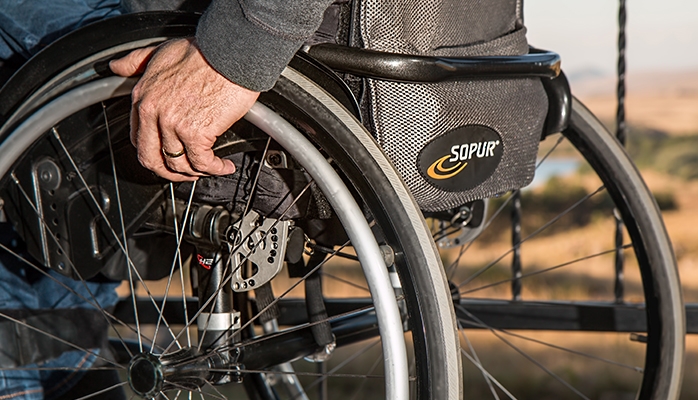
356,157
564,324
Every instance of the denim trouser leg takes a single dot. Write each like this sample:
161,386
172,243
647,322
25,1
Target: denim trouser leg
46,293
26,26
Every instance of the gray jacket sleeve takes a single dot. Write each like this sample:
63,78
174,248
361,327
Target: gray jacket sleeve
251,41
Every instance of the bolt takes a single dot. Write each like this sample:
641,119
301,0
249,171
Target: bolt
274,160
46,176
49,174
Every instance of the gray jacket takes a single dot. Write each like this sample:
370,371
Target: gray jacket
249,41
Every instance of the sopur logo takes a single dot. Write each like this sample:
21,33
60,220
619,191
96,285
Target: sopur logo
462,158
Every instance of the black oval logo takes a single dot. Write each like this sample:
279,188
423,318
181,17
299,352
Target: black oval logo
461,159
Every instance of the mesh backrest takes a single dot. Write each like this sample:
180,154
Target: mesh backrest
407,119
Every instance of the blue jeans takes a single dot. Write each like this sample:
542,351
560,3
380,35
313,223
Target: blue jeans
26,26
19,292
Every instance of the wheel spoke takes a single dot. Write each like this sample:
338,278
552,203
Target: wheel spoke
527,356
131,266
58,339
532,235
177,260
108,317
542,271
116,386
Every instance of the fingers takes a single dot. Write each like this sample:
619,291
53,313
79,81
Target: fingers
203,160
174,152
181,104
145,136
133,63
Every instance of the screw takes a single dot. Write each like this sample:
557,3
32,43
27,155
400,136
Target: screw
274,160
270,260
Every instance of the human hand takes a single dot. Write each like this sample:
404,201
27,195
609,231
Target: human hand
180,106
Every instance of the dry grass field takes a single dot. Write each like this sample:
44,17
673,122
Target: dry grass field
665,102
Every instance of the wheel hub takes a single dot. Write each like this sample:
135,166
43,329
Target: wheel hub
150,374
145,375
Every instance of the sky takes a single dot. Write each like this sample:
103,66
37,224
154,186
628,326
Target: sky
661,35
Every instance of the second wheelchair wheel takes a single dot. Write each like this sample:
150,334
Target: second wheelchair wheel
568,288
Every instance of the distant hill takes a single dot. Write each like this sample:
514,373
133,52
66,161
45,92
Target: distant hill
665,101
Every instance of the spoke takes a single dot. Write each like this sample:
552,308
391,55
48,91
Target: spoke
363,382
177,260
60,369
352,284
123,226
552,149
477,360
230,260
331,373
131,266
216,390
527,356
94,301
256,178
180,387
551,345
179,254
54,337
532,235
89,396
485,372
123,230
315,374
451,270
107,315
534,273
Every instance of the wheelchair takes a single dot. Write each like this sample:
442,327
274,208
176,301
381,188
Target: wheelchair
320,268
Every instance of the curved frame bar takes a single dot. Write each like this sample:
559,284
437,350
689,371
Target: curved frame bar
420,69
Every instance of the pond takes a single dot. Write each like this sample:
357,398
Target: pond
554,167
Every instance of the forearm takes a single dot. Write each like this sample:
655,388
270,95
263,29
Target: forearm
251,41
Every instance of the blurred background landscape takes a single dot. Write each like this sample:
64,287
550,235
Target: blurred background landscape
661,104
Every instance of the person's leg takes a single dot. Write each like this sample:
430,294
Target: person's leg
26,294
26,26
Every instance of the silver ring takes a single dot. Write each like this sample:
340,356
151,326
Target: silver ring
172,155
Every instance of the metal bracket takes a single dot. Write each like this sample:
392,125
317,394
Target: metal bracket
262,241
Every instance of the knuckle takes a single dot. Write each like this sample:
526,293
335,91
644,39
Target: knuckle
145,108
146,162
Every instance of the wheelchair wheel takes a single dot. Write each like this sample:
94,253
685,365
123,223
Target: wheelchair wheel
362,307
553,303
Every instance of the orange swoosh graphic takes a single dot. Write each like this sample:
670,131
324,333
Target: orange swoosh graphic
438,165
